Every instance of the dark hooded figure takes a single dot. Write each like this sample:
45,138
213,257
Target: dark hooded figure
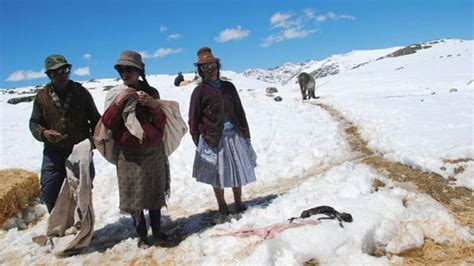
178,79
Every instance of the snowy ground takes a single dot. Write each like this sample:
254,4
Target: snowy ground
304,160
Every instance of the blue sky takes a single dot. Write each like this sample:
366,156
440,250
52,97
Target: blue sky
244,34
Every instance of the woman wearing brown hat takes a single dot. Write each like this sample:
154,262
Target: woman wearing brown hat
137,124
219,128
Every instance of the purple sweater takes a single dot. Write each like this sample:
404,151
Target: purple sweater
208,108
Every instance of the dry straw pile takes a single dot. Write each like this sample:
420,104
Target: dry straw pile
19,187
431,253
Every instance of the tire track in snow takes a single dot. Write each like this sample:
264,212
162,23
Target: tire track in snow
459,201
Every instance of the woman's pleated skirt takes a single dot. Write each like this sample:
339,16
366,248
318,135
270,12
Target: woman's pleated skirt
232,164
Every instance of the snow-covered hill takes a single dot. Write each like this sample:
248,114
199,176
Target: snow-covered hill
332,65
280,74
338,64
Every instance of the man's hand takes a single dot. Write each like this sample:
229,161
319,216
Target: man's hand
123,96
53,136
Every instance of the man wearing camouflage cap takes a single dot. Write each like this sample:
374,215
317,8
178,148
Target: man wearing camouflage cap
64,114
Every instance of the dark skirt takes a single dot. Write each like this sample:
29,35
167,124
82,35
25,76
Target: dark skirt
143,178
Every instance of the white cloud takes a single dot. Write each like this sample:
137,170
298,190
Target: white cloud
232,34
161,52
87,56
174,36
268,41
25,75
321,18
295,33
309,13
280,19
347,17
163,28
82,71
333,16
287,34
294,27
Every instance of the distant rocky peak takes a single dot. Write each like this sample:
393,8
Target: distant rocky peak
410,49
329,68
337,64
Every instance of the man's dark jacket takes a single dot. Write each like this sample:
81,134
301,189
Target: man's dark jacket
76,116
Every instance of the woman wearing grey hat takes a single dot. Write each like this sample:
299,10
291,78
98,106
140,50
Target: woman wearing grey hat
137,124
219,128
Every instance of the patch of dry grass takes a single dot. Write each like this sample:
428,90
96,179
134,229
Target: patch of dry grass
432,253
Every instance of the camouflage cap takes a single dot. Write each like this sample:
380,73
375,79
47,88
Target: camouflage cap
54,62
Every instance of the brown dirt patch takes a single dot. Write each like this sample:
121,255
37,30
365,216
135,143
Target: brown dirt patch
311,262
460,160
458,200
459,168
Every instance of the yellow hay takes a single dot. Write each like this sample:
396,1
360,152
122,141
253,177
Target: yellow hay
18,188
432,253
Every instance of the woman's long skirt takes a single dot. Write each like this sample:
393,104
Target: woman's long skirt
143,178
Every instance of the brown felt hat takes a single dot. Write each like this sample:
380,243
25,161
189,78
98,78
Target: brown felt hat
130,58
205,56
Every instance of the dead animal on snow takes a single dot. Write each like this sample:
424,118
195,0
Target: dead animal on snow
330,212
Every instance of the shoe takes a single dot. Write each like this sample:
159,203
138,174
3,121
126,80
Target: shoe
221,218
224,210
240,207
40,240
162,237
143,243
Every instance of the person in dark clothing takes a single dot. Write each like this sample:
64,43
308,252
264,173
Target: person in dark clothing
196,77
64,114
178,79
219,128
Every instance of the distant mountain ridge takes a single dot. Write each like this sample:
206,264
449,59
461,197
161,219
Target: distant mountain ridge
287,73
335,64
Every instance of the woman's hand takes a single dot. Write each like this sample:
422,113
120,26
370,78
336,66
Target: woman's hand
146,100
123,96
